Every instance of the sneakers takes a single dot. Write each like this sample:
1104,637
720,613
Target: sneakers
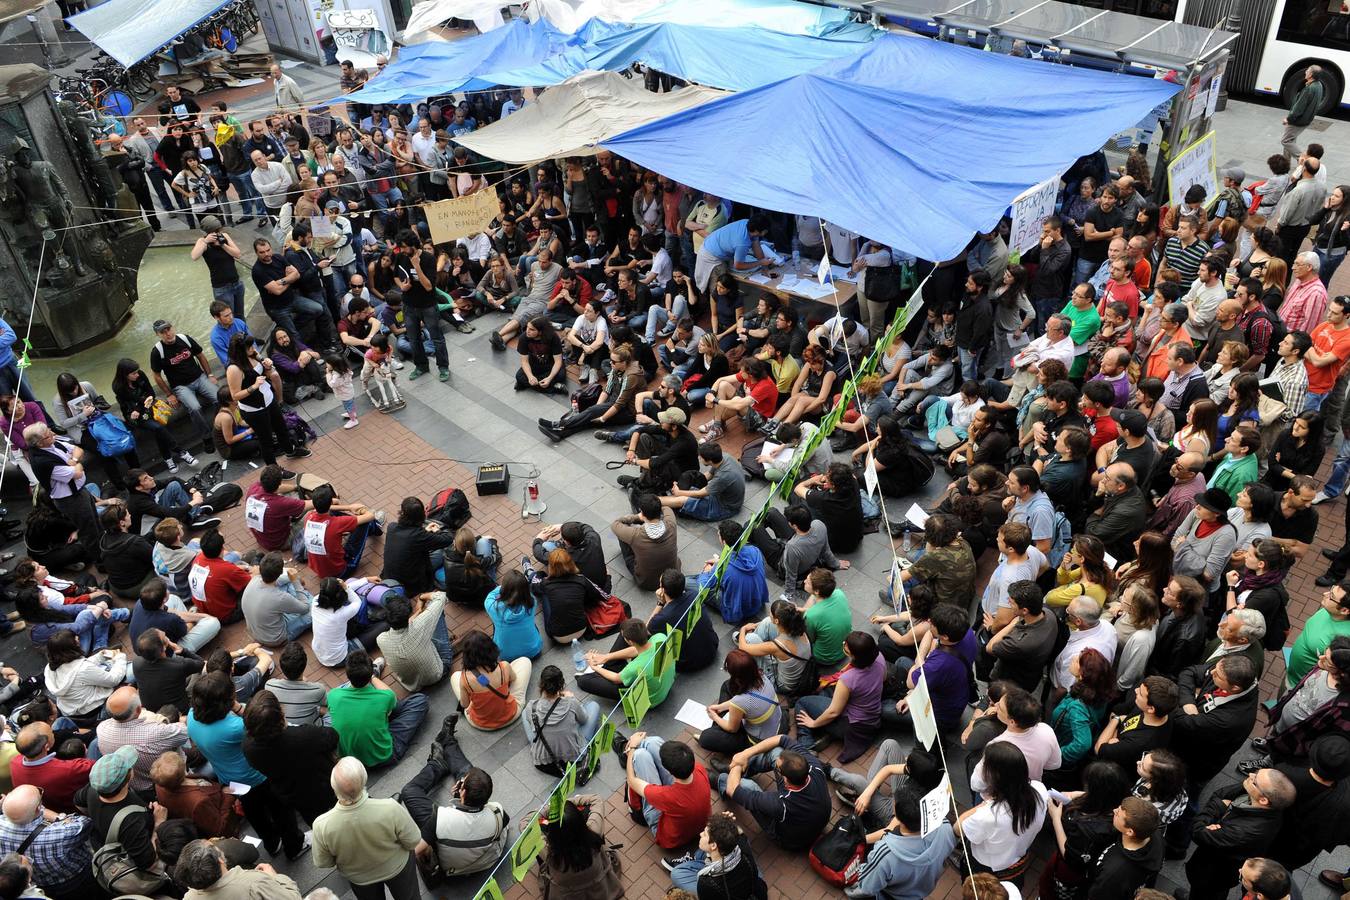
464,327
397,364
287,475
1321,497
211,522
1328,579
304,847
378,666
300,453
187,458
351,422
713,434
1333,878
1255,764
381,516
585,375
603,435
495,339
170,464
445,375
418,373
1331,554
627,481
718,766
670,861
621,749
846,796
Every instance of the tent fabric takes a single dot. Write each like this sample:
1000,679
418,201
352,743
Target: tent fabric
573,118
131,30
486,15
785,16
913,142
538,54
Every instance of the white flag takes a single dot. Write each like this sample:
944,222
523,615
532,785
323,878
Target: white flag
823,270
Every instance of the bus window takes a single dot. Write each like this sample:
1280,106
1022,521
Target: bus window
1318,23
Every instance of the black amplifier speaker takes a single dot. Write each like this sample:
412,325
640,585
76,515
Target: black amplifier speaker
493,478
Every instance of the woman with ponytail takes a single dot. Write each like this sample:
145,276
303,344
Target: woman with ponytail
470,569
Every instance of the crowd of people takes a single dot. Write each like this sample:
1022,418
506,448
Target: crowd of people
1132,418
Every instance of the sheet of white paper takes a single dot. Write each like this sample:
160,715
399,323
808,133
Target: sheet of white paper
695,715
916,515
870,477
897,587
1109,560
789,282
921,712
250,839
935,805
823,270
840,273
758,279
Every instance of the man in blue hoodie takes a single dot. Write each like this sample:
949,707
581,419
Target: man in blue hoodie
902,865
743,593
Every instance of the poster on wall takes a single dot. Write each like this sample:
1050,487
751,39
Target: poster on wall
1194,165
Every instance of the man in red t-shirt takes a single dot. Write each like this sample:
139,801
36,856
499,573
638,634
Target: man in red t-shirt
333,544
216,583
1098,397
1330,350
732,397
667,786
37,765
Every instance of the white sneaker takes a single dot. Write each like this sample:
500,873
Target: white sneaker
170,464
381,516
398,364
378,665
585,376
351,423
187,457
1321,498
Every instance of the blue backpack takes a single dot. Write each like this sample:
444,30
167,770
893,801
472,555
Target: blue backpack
1061,540
111,434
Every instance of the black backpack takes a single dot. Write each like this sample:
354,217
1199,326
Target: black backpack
449,507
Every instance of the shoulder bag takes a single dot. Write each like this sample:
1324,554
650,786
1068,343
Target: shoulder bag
114,869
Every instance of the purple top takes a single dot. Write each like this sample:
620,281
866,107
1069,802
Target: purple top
864,692
287,363
947,670
32,415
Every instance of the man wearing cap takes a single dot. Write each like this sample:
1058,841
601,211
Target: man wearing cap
662,451
1205,540
1132,445
219,251
183,373
1233,200
108,793
57,847
1322,786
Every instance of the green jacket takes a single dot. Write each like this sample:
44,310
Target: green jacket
1306,104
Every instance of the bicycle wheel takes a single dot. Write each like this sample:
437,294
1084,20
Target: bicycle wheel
141,80
117,103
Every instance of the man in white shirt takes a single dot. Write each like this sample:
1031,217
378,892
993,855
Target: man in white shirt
1054,344
1204,297
272,181
1087,631
479,245
514,103
1021,712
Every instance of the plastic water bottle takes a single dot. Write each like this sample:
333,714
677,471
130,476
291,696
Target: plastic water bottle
796,253
578,656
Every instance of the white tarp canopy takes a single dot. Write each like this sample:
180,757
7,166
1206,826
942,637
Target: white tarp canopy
574,117
131,30
485,15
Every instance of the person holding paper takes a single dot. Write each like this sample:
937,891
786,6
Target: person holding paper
944,660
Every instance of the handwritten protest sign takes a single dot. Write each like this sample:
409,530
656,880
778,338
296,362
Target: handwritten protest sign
452,219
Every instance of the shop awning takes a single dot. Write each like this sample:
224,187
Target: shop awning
574,117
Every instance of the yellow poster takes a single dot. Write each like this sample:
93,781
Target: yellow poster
461,217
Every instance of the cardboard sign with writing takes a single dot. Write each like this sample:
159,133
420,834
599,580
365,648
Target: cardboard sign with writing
461,217
1029,210
1194,165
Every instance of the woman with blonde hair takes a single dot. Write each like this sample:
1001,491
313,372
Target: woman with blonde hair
470,569
1274,277
1136,617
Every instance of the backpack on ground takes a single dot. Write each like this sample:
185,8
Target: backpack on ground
838,854
299,429
225,495
449,507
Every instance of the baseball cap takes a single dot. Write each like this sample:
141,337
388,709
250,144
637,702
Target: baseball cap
1234,173
111,772
1135,422
1215,500
162,325
672,416
333,204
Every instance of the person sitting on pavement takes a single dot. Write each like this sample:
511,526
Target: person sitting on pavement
105,797
270,514
648,541
723,867
39,765
798,808
162,671
851,712
712,497
188,629
204,869
302,702
129,724
147,497
372,723
901,862
793,543
662,452
126,557
204,802
666,788
216,584
674,596
412,546
275,604
742,592
582,543
750,396
334,544
416,647
56,848
615,405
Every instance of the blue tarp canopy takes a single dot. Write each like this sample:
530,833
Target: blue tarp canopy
131,30
913,142
728,58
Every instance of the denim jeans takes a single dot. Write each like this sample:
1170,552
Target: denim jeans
1340,468
813,705
194,396
301,311
250,201
200,633
970,363
355,545
10,381
1313,402
416,318
656,317
685,875
382,201
407,717
705,509
232,294
440,639
173,494
296,624
1082,271
1329,265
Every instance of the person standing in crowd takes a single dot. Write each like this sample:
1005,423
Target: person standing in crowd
369,841
1307,104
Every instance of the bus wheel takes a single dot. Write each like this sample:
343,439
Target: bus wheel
1333,85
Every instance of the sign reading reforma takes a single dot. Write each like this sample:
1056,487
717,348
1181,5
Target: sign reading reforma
1194,165
1029,210
461,217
